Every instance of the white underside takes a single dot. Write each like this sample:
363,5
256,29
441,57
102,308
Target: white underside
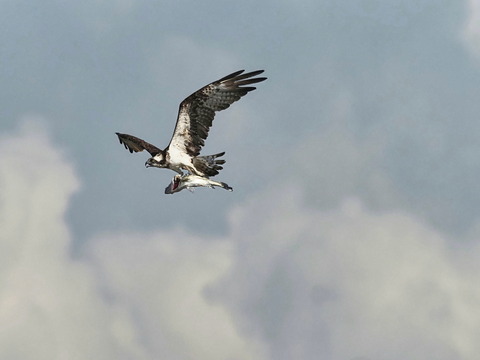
192,181
179,159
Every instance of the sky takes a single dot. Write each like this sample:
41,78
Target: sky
352,233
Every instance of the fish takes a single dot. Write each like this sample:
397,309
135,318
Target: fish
190,181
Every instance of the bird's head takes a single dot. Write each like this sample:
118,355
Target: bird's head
156,161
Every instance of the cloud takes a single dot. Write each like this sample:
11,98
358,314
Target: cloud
286,281
348,283
336,163
160,280
471,31
135,296
48,305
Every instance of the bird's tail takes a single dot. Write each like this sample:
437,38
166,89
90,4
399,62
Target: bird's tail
226,187
209,165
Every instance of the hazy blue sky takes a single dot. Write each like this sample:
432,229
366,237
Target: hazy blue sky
353,229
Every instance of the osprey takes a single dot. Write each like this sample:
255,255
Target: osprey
195,116
191,181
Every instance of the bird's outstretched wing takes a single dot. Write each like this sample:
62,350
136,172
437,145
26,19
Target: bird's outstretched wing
197,111
132,143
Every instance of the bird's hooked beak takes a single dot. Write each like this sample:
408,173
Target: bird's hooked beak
153,162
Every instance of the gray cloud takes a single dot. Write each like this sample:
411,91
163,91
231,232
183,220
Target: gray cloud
285,281
471,29
93,68
348,283
373,100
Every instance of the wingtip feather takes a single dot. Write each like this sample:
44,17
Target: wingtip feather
232,75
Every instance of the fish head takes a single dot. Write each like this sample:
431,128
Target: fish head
174,184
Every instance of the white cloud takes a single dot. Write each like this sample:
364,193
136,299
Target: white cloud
48,306
471,31
349,283
160,280
286,282
139,296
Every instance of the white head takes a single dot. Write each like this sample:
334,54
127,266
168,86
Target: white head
156,161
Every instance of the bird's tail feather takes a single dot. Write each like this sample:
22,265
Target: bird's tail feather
209,164
226,187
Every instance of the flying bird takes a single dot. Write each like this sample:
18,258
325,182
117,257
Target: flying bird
195,117
189,182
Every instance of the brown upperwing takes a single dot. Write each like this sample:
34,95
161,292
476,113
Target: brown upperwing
196,112
132,143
